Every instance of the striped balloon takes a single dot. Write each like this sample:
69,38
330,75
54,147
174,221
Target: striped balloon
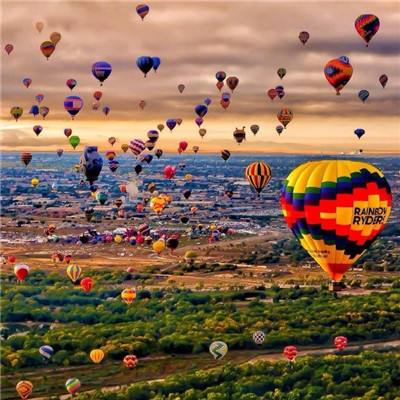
74,272
367,26
363,95
336,209
142,10
225,154
258,174
137,146
97,356
101,70
24,389
73,385
46,351
73,104
153,135
47,48
128,295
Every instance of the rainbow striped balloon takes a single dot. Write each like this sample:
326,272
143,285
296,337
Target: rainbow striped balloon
73,385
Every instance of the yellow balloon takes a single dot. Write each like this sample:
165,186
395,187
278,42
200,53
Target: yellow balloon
97,356
188,177
35,182
118,239
159,246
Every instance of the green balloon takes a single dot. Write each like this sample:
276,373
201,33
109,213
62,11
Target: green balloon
74,141
281,72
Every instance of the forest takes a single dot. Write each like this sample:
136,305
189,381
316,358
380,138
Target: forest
365,376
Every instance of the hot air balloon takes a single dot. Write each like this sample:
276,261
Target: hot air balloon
181,88
218,349
97,356
207,101
39,26
279,129
199,121
187,193
172,242
130,361
138,169
239,135
259,337
290,352
74,272
27,82
280,91
363,95
71,83
9,48
145,64
72,385
112,140
26,158
124,147
156,63
153,135
137,146
336,209
272,93
113,165
285,116
55,37
195,149
202,132
340,342
73,104
201,110
232,82
142,10
35,182
359,132
37,129
281,72
367,25
87,284
101,70
106,110
74,141
16,112
47,48
254,129
383,79
225,154
11,259
39,97
21,271
67,132
46,352
220,76
304,36
110,154
44,111
24,389
338,72
60,152
169,171
34,110
226,96
101,197
183,145
142,104
219,85
91,163
158,153
171,123
190,256
258,174
159,246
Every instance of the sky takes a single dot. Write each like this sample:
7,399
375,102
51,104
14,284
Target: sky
195,39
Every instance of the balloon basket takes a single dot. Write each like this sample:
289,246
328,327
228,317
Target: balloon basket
336,286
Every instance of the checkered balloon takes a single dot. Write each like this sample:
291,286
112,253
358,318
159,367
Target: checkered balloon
259,337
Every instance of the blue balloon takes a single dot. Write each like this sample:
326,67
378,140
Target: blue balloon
171,123
156,63
91,163
201,110
359,132
226,96
101,70
363,95
46,351
34,110
207,101
145,64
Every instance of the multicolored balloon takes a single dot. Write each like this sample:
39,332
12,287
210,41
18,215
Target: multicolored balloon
142,10
137,146
363,95
218,349
128,295
72,385
47,48
73,104
285,116
258,174
338,72
97,356
46,352
16,112
367,25
91,163
27,82
24,389
71,83
336,209
101,70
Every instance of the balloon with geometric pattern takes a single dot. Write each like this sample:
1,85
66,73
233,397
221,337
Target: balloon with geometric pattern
24,389
72,385
336,209
338,72
218,349
340,342
258,337
367,25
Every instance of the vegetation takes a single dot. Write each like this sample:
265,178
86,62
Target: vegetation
177,321
367,376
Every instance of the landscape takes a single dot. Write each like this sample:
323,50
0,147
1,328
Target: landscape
207,221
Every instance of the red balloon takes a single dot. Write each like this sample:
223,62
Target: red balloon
183,145
21,271
68,258
169,171
340,342
272,93
11,259
97,95
87,284
290,352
